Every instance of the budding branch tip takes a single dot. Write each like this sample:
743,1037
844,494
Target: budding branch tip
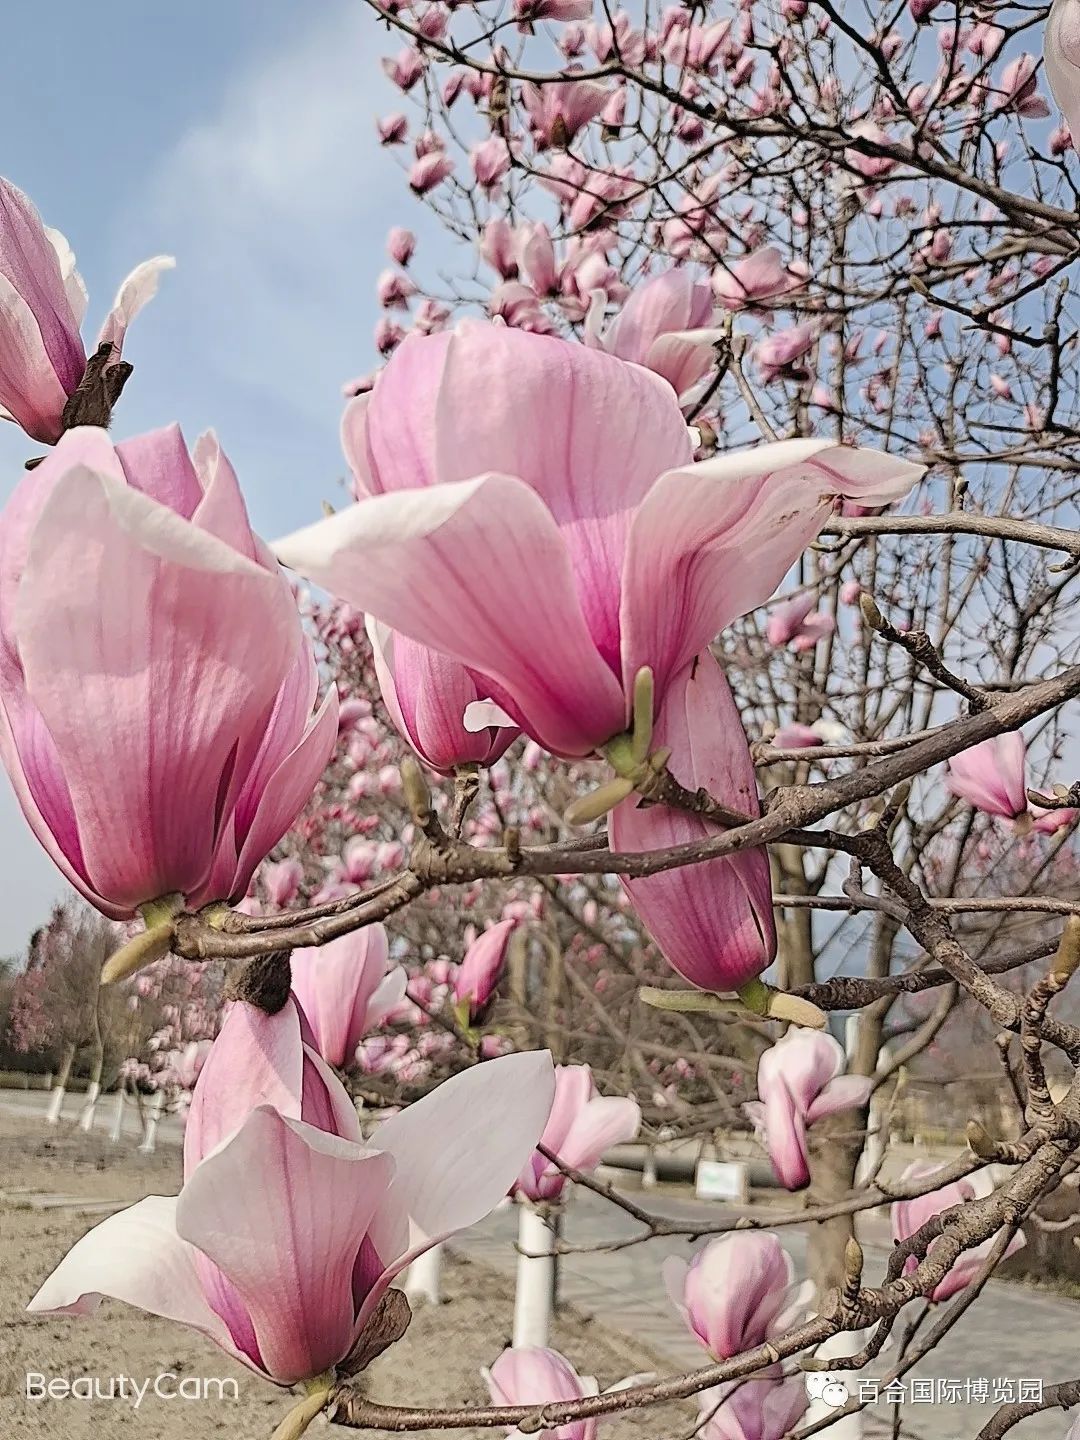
598,802
980,1142
641,735
1068,952
870,612
416,790
762,999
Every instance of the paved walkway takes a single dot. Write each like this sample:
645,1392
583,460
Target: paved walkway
1010,1334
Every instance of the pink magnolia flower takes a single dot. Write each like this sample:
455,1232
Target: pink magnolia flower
1049,822
394,290
287,1283
1062,59
990,776
908,1216
536,258
799,1082
183,1067
345,989
435,704
533,1376
666,325
282,880
498,246
259,1059
777,356
766,1407
400,245
558,111
526,11
798,624
754,281
198,715
479,973
430,170
490,445
737,1292
1018,89
490,162
392,129
42,304
796,737
713,921
405,68
869,165
582,1127
922,9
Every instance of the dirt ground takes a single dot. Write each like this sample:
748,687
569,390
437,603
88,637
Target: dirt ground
437,1362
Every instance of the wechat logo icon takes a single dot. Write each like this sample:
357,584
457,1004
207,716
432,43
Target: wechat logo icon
829,1389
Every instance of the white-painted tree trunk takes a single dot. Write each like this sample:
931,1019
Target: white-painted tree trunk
56,1104
874,1147
149,1144
851,1426
535,1293
117,1128
86,1119
423,1279
648,1169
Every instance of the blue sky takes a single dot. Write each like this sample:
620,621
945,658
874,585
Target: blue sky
240,138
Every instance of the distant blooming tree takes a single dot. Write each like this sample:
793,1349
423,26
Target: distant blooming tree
690,663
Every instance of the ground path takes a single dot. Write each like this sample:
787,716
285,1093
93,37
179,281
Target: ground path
1011,1334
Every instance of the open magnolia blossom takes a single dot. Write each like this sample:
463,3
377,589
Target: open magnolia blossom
714,921
190,685
537,1376
666,325
287,1283
559,554
799,1082
737,1292
799,623
765,1407
755,281
346,989
991,776
583,1125
42,305
908,1216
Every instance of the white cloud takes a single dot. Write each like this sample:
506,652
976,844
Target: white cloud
276,206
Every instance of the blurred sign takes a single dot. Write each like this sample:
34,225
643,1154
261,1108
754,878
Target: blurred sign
721,1180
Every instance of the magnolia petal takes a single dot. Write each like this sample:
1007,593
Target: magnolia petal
846,1092
479,571
607,1120
136,1256
30,389
335,984
713,921
138,288
188,653
289,1258
456,1153
712,541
